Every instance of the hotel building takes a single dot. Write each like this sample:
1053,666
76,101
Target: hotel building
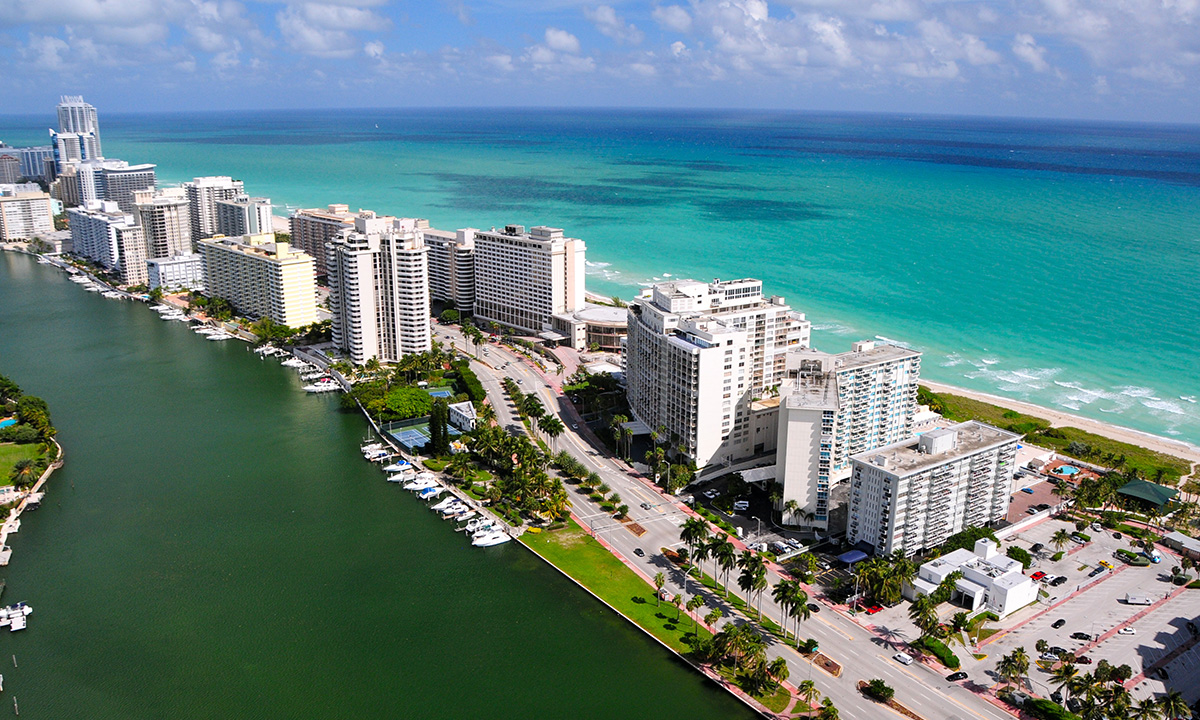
378,276
452,266
182,272
243,215
261,278
699,356
25,215
314,227
203,193
165,218
524,278
111,238
913,495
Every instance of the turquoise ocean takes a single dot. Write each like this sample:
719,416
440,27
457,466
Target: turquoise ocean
1049,261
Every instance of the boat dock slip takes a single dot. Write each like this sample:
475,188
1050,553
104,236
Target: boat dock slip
5,555
12,526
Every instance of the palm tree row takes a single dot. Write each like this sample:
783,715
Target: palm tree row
1101,694
883,578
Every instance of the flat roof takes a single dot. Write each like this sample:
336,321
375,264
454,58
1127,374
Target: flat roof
814,391
902,458
1150,492
880,353
603,314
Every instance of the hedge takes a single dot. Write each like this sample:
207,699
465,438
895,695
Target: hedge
470,383
1044,709
944,655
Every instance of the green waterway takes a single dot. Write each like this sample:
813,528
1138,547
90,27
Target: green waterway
216,547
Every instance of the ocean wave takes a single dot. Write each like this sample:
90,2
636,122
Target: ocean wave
1136,391
834,328
595,264
988,361
951,360
1165,406
897,343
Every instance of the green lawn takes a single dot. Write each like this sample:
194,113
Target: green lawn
10,454
577,554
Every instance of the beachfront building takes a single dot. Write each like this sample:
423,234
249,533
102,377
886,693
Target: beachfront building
202,194
313,228
244,215
261,278
990,581
72,147
79,117
378,277
699,356
25,215
522,279
10,167
172,274
118,181
111,238
452,266
35,160
913,495
599,328
165,218
832,406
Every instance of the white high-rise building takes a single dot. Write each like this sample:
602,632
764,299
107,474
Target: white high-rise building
833,406
523,278
25,215
182,272
699,356
33,161
312,228
243,215
913,495
261,278
452,266
379,288
105,234
166,220
118,181
203,194
77,116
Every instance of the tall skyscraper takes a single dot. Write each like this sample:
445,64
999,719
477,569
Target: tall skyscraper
77,116
165,219
314,227
452,266
203,194
379,288
698,358
244,215
261,278
523,278
118,181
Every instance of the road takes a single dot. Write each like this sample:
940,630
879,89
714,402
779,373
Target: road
862,655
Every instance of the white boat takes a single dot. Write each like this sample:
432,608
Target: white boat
265,350
78,279
14,616
444,504
294,362
400,477
314,375
331,386
220,335
457,512
113,295
92,288
430,493
495,537
371,446
418,485
465,516
400,466
474,525
486,528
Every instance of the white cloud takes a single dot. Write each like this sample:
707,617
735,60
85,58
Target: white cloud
373,50
1027,49
614,26
561,41
303,37
461,11
673,17
47,52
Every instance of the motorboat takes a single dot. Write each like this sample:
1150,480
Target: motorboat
220,335
444,504
14,616
465,516
457,512
418,485
474,525
294,362
430,493
399,466
371,446
374,455
324,387
495,537
454,506
401,477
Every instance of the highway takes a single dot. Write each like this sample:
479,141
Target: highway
862,655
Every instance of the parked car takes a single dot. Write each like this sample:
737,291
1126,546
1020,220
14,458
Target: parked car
1076,538
1059,580
1096,572
1056,696
1097,527
741,505
1036,548
1080,636
955,677
1073,704
1117,536
1042,506
1027,490
1031,511
813,607
1037,575
1058,623
1058,651
711,493
874,609
1083,660
1106,564
1049,656
1127,631
903,658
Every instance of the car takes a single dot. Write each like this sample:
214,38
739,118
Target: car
1059,580
874,609
711,493
1097,527
1049,656
1076,538
1043,506
1037,575
813,607
1117,536
518,381
1058,651
1083,660
1056,696
1036,548
639,552
1096,572
1073,704
1058,623
646,506
1027,490
1106,564
903,658
741,505
955,677
1080,636
574,426
1127,631
796,544
1031,511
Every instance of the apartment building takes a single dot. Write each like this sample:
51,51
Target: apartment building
118,181
452,266
833,406
913,495
111,238
700,355
34,161
379,288
25,215
243,215
261,277
77,116
10,167
165,217
524,278
313,228
181,272
203,194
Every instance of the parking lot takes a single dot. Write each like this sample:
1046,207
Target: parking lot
1037,495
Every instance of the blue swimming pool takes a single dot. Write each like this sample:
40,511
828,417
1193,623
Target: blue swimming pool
8,421
1066,470
440,392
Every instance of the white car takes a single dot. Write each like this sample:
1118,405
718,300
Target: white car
711,493
741,505
903,658
1127,631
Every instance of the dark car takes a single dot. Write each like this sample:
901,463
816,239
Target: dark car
813,607
1083,660
1117,535
1057,650
639,552
1043,506
1058,623
1073,705
955,677
646,506
1162,674
1059,580
1036,548
1080,636
1056,696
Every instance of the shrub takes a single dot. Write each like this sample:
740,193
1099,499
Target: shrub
939,650
965,539
1085,538
1044,709
1020,554
879,690
1057,556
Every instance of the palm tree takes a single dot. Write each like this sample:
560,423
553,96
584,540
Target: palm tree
693,532
1174,706
790,508
693,604
778,670
487,414
23,473
784,595
1063,677
924,615
659,581
712,618
553,427
800,611
1147,709
615,424
807,692
753,578
1060,539
726,555
1014,666
828,711
677,601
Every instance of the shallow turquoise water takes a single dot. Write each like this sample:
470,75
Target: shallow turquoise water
1051,262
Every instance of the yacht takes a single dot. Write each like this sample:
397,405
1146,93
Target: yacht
265,349
328,385
399,466
220,335
79,279
14,616
474,525
416,485
465,516
431,492
495,537
294,362
444,504
400,477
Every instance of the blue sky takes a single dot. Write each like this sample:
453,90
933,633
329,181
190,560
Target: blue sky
1104,59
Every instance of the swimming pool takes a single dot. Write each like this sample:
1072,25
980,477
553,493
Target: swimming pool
440,392
6,422
1066,470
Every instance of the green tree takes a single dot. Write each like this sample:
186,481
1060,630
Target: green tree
924,615
753,578
659,581
1060,539
1147,709
712,617
405,403
677,601
693,604
1174,706
23,474
1063,678
807,692
828,711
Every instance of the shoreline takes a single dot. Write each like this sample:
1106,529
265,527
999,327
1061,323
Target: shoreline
11,523
1058,418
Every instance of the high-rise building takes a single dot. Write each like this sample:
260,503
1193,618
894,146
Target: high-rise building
833,406
523,278
34,161
72,147
313,227
10,167
120,181
182,272
243,215
25,215
379,288
165,217
105,234
698,357
261,278
203,194
452,266
913,495
77,116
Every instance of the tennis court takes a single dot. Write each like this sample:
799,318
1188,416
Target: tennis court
440,392
413,434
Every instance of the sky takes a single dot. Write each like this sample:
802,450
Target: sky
1099,59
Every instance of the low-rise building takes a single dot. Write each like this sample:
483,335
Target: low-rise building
599,328
180,272
989,581
261,278
462,416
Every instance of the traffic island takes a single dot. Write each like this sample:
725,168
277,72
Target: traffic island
882,694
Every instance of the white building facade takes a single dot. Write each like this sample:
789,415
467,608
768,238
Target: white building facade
243,215
990,581
913,495
172,274
111,238
261,278
312,228
202,194
25,215
698,356
523,278
166,220
452,266
378,278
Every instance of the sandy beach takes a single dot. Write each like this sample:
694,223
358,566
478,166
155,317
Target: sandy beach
1058,419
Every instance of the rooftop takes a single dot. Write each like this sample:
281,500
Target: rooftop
813,391
1147,491
904,458
872,353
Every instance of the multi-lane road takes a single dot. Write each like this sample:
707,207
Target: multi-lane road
862,654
